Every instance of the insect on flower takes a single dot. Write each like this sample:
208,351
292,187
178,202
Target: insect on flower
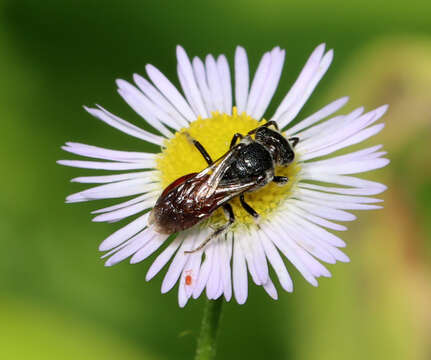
246,167
269,194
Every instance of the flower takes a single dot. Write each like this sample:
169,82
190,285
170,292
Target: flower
294,219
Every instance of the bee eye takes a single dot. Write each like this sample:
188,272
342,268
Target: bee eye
288,158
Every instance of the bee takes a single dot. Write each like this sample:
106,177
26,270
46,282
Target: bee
247,166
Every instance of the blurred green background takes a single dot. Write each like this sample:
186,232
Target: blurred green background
58,301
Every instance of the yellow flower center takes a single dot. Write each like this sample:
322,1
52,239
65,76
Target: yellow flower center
180,157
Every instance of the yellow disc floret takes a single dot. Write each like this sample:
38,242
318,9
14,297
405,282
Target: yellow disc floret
179,157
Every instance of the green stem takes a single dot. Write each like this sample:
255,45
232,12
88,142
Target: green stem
206,348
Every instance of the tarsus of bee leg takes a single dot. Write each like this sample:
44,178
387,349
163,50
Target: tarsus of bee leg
229,213
212,236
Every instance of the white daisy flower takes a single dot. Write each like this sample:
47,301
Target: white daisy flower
296,219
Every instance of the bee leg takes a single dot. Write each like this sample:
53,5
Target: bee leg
234,139
200,148
294,140
229,212
271,123
231,216
280,180
268,124
248,208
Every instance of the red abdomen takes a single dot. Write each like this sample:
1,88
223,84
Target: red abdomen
179,207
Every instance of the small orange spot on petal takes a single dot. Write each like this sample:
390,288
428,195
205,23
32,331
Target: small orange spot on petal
188,280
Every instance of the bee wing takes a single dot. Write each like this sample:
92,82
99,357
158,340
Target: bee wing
227,192
219,168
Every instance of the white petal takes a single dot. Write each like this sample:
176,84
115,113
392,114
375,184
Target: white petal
270,289
204,271
124,234
201,78
224,74
148,249
338,254
239,274
125,212
315,239
145,164
284,244
124,126
179,260
161,102
127,203
249,260
291,113
137,243
316,219
302,257
225,258
114,190
214,83
271,82
276,262
343,205
318,116
334,197
146,109
325,212
355,139
182,296
194,97
300,237
346,164
335,201
219,290
374,190
322,132
104,179
106,154
170,92
364,154
142,106
214,280
302,98
261,264
187,91
191,270
241,79
362,185
258,82
114,178
255,256
163,258
319,232
338,131
354,167
310,75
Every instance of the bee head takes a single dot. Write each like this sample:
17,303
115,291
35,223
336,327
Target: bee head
279,147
